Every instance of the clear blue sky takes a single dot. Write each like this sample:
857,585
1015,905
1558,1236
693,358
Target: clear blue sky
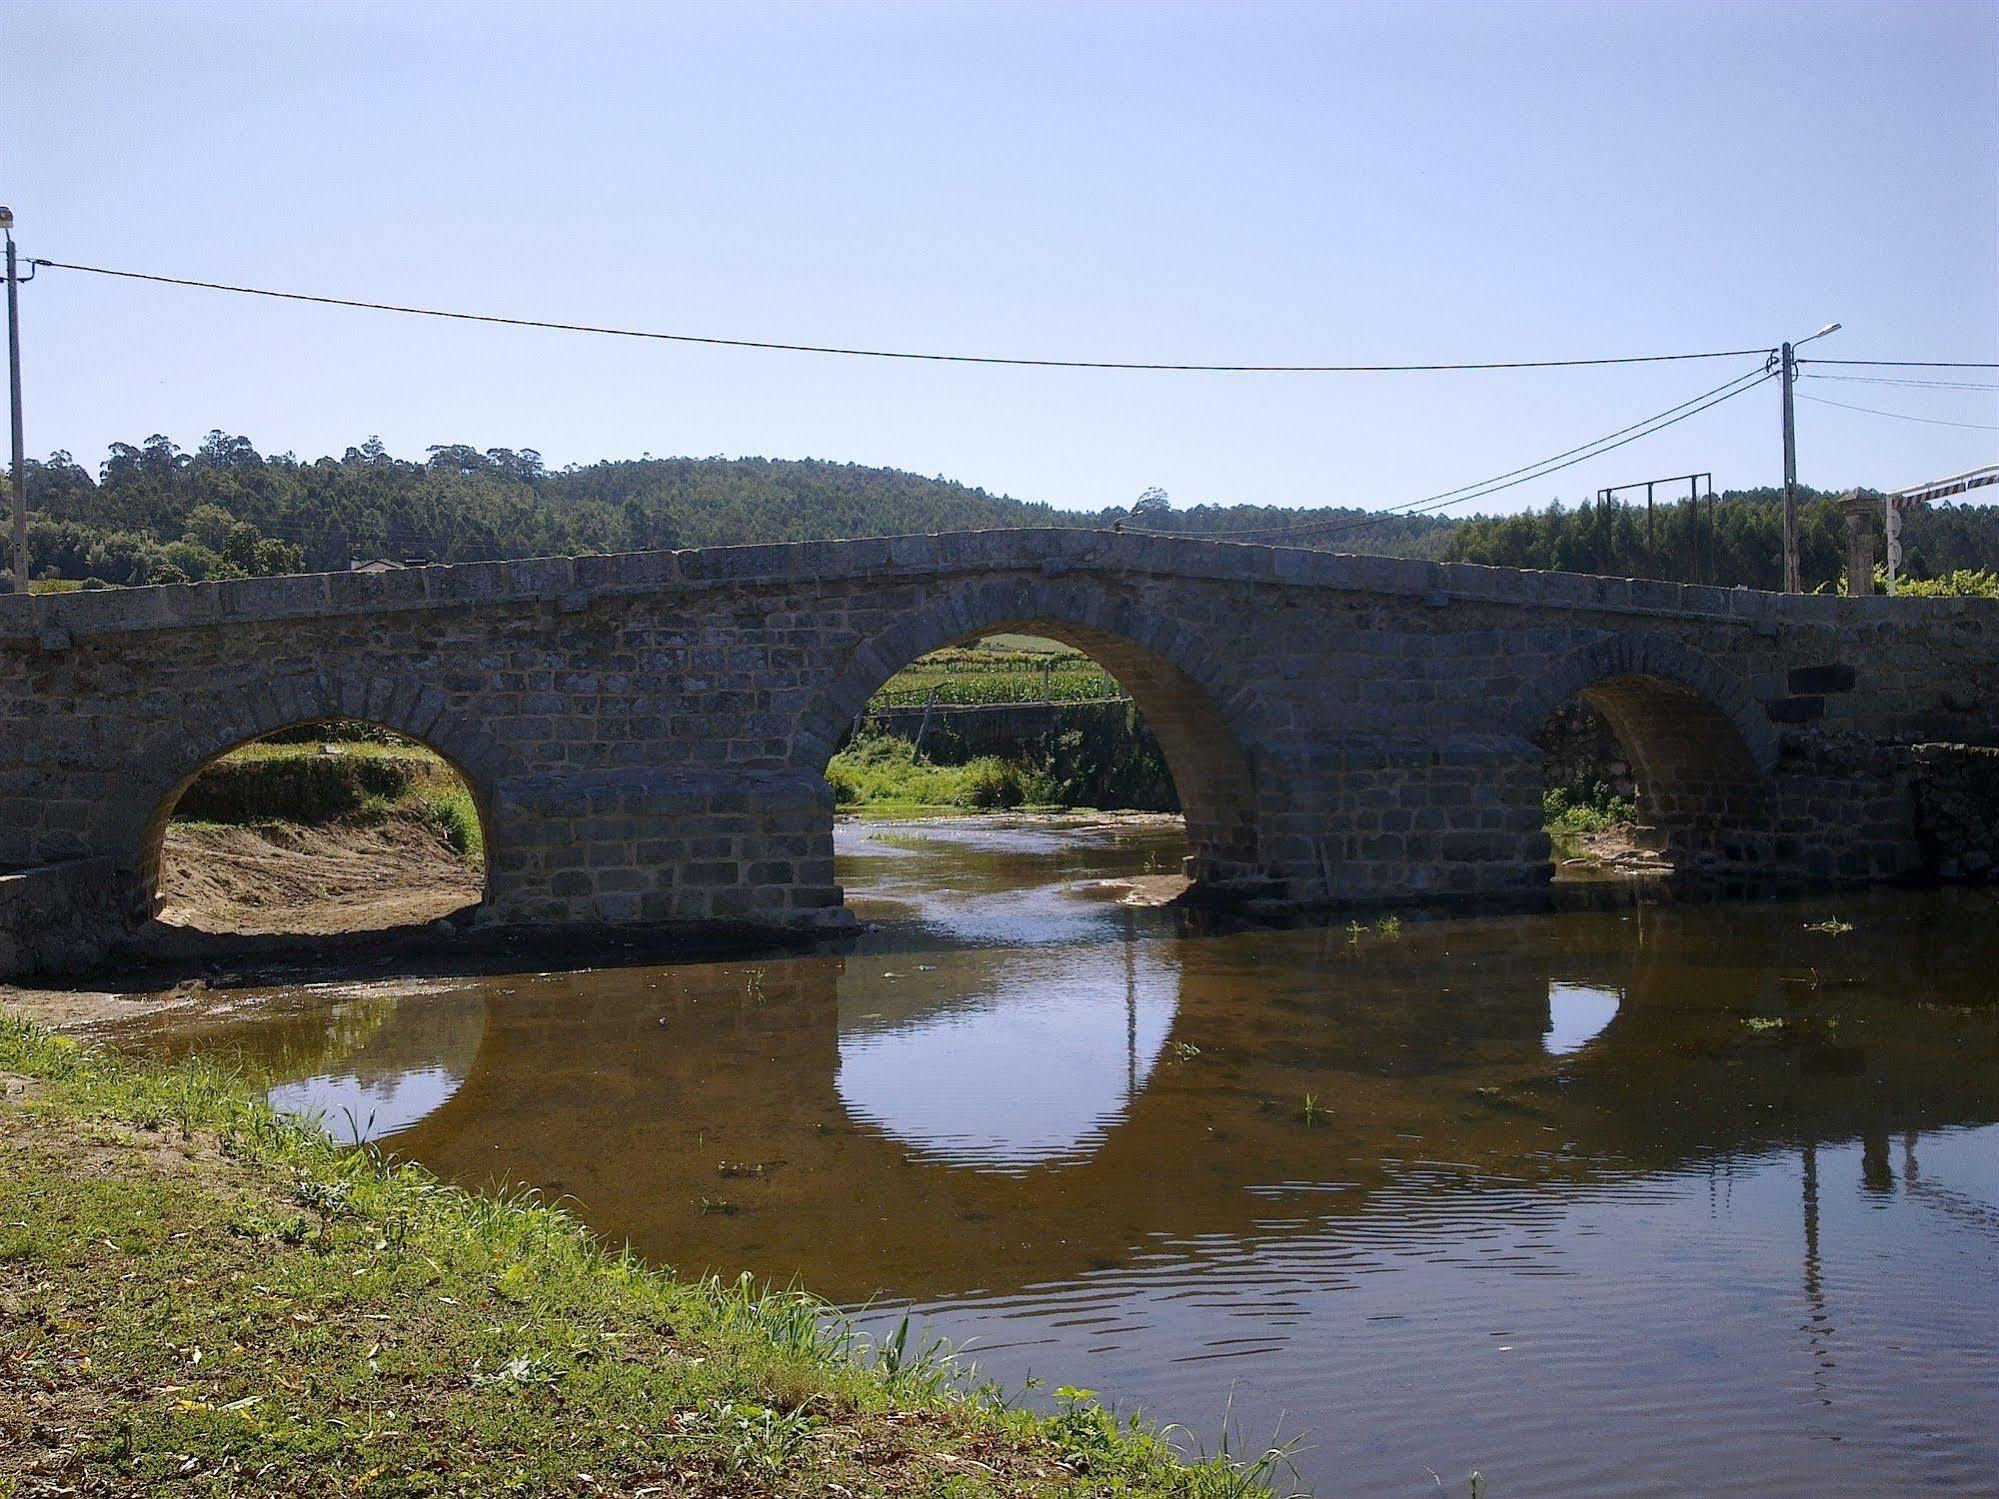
1332,183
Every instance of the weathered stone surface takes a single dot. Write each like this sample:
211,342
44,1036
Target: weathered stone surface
61,918
1834,676
1957,809
646,734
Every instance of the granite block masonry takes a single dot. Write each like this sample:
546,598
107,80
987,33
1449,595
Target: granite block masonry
646,735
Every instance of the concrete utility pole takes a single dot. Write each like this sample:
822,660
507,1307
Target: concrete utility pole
14,405
1788,375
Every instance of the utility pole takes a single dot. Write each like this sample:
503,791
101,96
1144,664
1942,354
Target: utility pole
1788,376
14,406
1787,370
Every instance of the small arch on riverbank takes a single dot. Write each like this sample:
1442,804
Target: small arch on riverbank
305,823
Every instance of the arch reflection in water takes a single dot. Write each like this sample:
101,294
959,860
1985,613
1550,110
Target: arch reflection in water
1032,1064
1577,1015
372,1066
355,1110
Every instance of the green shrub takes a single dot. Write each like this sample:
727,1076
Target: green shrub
1964,583
991,782
1570,812
884,771
453,813
845,781
1106,758
307,787
880,770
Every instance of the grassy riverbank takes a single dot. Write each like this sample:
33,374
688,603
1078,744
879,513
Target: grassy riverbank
353,782
885,776
199,1296
1099,756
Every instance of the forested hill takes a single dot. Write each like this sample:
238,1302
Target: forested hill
154,513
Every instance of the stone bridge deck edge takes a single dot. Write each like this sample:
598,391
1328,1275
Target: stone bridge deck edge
50,621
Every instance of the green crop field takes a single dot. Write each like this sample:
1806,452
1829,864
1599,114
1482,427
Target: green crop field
998,669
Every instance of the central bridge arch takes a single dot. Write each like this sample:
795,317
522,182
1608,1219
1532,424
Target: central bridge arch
1202,720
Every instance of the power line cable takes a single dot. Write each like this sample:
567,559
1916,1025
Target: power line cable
1893,380
1413,505
864,353
1554,463
1933,421
1913,364
1542,473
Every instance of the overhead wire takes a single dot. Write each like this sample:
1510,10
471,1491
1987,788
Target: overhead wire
1896,380
1446,499
1903,416
1913,364
1539,473
870,353
1541,468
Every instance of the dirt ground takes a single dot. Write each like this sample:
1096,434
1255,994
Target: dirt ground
281,878
1139,889
88,1009
273,882
1615,851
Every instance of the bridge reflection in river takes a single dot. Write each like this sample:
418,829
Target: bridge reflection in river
1693,1197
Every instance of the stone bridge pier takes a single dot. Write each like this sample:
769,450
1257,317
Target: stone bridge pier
646,735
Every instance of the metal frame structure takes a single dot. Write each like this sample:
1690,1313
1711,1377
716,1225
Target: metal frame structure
1607,495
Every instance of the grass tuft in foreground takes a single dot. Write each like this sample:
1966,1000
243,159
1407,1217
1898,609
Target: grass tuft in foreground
200,1296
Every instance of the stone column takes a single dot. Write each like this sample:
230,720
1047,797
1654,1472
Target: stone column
1858,510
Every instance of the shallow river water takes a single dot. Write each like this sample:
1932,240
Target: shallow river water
1647,1199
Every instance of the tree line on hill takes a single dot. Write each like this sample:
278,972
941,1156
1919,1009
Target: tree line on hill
1738,540
157,514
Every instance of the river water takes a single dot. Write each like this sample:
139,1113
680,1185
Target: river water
1633,1200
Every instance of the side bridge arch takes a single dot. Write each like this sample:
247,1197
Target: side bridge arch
1703,749
167,763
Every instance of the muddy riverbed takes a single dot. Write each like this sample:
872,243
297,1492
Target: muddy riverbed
1644,1199
315,881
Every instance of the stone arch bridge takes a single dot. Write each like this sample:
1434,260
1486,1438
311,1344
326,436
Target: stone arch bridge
646,734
